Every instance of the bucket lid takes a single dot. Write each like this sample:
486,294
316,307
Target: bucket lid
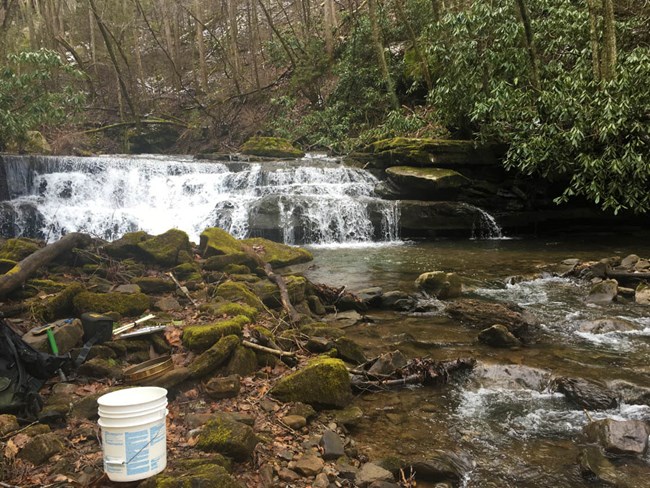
132,396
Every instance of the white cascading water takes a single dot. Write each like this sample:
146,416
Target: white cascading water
312,201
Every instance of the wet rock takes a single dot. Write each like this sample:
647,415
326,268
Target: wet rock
323,382
243,362
642,294
370,473
603,292
8,423
440,284
168,249
586,394
214,357
41,448
443,466
151,284
630,393
198,338
388,363
603,326
218,388
320,329
227,437
168,304
371,296
594,465
295,421
67,334
482,314
343,319
398,300
349,417
349,351
626,437
126,305
315,305
498,336
308,465
332,446
319,344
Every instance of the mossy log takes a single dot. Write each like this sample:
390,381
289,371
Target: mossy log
26,268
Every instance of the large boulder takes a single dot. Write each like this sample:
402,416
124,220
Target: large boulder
168,249
238,292
276,254
440,284
603,292
323,382
214,357
627,437
428,183
217,242
271,147
226,436
586,394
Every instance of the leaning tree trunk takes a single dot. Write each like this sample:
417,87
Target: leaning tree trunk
609,41
26,268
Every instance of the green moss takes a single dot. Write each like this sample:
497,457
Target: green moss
233,309
239,269
187,272
271,147
150,284
228,437
166,248
47,286
349,351
221,262
279,255
206,474
214,357
269,292
6,265
242,362
320,329
59,306
239,292
216,242
19,248
126,304
324,382
201,337
127,245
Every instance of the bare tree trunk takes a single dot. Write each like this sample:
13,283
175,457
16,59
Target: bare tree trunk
530,43
593,38
200,44
253,33
379,50
329,25
609,41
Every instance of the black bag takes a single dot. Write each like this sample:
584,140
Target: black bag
23,371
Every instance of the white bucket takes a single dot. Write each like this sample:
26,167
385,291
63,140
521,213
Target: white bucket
134,432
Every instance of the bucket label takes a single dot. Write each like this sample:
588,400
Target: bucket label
158,434
137,452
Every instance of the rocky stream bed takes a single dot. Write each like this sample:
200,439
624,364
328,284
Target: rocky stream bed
270,374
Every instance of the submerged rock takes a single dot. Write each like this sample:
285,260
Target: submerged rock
443,466
440,284
498,336
595,465
603,326
629,437
323,382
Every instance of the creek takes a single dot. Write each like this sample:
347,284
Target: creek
503,416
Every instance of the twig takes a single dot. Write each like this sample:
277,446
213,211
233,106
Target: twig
15,432
183,289
267,349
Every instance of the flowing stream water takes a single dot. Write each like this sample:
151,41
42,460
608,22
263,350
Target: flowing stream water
503,415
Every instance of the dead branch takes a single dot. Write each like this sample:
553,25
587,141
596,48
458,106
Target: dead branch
26,268
276,352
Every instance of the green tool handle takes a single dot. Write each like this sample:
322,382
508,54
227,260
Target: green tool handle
50,337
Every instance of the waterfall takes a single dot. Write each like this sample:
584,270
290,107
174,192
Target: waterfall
308,201
485,226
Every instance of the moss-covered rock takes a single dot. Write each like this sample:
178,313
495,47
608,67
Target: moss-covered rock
187,272
238,292
201,337
152,284
223,261
231,309
127,245
277,254
269,292
350,351
422,152
319,329
204,474
217,242
127,305
59,306
324,382
101,369
168,249
41,448
237,269
243,362
33,142
428,183
271,147
224,435
214,357
440,284
8,423
19,248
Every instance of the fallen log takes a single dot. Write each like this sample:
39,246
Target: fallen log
628,277
294,316
26,268
417,371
